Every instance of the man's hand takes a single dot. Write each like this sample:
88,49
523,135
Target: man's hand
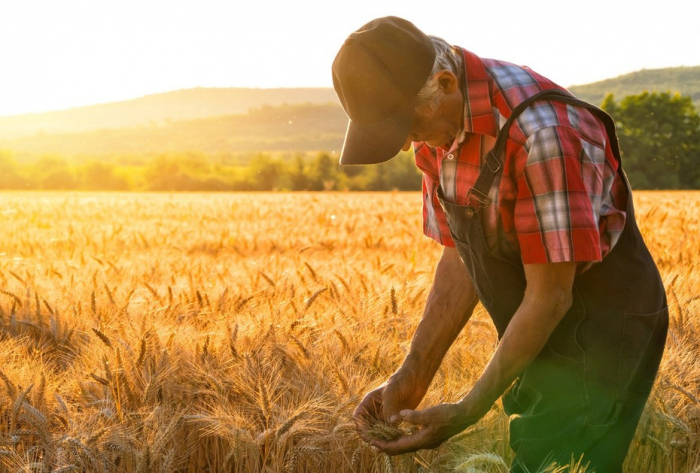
402,391
437,424
450,303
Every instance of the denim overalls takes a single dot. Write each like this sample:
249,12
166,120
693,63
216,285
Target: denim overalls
585,392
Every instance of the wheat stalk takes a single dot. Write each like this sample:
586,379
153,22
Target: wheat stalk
382,431
101,335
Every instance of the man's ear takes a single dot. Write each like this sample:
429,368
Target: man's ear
448,81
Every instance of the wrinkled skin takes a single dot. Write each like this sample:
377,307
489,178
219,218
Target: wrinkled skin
402,391
437,424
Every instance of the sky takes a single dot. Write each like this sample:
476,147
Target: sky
57,54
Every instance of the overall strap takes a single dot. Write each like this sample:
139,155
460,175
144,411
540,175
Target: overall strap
478,195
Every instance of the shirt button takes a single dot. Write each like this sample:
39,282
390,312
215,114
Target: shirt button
450,156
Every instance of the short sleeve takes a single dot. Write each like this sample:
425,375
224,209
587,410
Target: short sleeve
554,218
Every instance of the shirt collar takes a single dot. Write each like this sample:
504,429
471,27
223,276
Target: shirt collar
478,109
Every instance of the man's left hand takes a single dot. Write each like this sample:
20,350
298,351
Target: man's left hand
437,424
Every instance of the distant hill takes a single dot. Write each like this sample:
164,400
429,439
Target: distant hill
302,127
684,80
158,108
232,119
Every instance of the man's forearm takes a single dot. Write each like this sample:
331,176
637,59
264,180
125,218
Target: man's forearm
544,305
450,303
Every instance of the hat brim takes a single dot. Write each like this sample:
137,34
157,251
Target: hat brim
377,142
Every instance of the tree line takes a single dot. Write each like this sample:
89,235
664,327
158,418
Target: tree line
659,136
198,171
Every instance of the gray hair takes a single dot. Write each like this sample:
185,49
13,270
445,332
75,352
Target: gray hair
445,58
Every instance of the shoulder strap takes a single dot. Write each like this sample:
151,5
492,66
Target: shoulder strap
492,163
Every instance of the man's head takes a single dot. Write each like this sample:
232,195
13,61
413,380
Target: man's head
395,89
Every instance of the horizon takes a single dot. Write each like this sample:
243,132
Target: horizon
77,53
274,88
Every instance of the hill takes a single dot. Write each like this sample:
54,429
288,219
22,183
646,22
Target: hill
684,80
301,127
158,109
233,119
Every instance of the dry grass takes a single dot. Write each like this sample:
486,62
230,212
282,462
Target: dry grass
162,333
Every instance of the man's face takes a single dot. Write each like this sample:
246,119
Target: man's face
439,127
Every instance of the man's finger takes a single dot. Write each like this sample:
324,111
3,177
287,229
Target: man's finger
362,420
414,417
367,409
390,412
405,444
366,413
362,433
361,413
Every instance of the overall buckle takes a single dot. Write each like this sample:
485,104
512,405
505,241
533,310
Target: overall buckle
479,197
492,162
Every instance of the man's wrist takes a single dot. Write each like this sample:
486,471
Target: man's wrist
474,407
419,366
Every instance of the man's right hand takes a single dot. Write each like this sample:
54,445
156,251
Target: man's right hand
403,390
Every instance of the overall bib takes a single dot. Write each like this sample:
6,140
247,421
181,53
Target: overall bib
585,391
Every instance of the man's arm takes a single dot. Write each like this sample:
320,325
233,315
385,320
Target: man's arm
449,306
548,297
450,303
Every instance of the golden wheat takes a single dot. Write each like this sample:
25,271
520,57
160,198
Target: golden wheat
237,333
383,431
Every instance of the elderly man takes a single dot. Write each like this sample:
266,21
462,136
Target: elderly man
523,185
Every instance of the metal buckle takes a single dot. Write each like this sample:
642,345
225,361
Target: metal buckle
482,199
493,158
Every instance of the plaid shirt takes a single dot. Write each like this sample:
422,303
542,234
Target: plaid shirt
559,196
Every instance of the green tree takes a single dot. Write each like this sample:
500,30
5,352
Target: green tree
659,136
402,173
101,176
298,178
173,172
195,163
324,172
378,181
265,172
10,177
53,172
161,171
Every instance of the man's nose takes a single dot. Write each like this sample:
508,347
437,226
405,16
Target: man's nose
407,144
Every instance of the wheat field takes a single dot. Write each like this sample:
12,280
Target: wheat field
236,333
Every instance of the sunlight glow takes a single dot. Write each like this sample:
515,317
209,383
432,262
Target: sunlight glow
68,53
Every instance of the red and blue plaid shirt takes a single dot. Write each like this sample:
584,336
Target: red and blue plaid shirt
559,196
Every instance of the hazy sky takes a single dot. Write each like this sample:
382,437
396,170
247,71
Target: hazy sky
64,53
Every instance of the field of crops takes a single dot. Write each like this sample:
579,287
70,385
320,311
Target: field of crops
236,333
